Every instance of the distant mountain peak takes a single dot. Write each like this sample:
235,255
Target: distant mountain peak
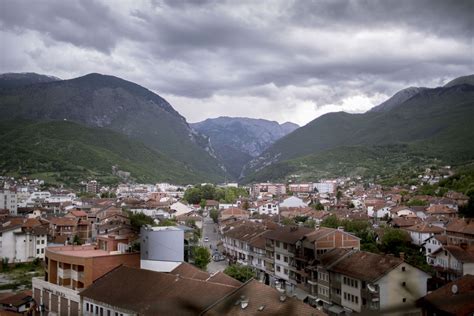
397,99
469,79
21,79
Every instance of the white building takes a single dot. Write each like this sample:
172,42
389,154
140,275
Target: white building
179,208
325,186
268,208
421,232
22,245
161,248
8,201
293,201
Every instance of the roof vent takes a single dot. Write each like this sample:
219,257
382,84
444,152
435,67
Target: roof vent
244,302
261,308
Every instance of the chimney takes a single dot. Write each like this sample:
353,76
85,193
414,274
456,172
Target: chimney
402,256
341,228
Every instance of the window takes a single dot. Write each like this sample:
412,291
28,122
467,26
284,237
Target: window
403,269
404,284
285,271
404,300
37,251
285,245
42,250
286,259
277,244
87,307
278,257
278,268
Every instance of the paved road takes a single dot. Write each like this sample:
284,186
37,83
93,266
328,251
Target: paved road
209,229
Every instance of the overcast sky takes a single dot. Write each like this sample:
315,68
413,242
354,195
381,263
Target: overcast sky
279,60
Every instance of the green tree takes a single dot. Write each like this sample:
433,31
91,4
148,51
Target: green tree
240,272
139,219
468,209
394,241
416,202
76,240
214,214
193,195
331,221
202,257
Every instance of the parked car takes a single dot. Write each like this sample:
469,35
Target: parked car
206,239
218,257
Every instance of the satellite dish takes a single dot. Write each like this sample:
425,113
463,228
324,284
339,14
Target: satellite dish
371,288
454,289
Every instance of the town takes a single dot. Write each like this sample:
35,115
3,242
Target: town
338,246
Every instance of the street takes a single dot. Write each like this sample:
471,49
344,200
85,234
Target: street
209,230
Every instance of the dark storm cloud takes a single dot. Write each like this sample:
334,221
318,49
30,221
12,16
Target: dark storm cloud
285,53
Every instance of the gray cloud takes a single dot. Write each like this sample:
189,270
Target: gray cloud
306,56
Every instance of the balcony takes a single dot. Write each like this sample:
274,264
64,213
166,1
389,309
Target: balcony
64,273
77,275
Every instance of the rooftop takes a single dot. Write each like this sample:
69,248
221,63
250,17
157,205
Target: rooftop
288,234
255,298
155,293
444,299
88,251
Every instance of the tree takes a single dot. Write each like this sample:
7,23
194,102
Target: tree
318,206
394,241
76,240
193,195
468,209
202,257
139,219
331,222
214,214
239,272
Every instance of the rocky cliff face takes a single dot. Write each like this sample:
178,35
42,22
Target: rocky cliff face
237,140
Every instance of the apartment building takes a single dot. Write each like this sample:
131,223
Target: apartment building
20,242
8,201
69,270
363,282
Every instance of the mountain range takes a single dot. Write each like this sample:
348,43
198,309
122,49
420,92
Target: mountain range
79,128
419,125
237,140
107,102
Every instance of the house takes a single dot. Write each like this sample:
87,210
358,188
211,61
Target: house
71,269
293,201
364,282
452,262
268,208
180,208
255,298
20,303
23,240
193,216
453,299
237,241
150,293
211,204
234,212
460,231
419,233
432,244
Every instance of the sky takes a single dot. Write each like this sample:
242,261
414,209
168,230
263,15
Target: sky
278,60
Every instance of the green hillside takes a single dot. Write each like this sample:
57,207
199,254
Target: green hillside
67,152
435,124
97,100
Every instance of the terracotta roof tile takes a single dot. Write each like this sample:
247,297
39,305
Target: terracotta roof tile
443,299
155,293
262,297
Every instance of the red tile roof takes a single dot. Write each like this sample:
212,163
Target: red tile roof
444,301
